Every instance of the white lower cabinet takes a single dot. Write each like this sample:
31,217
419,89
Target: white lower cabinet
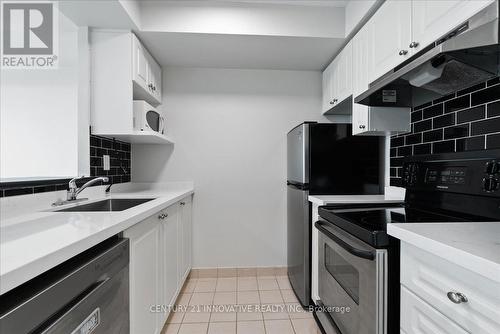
420,318
160,260
464,298
144,275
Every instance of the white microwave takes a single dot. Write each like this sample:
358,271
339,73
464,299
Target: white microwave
147,118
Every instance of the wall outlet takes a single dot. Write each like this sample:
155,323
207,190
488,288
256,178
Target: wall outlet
106,162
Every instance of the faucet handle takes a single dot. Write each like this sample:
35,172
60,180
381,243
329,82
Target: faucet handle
72,183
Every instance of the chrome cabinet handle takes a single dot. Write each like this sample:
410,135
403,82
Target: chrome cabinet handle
362,126
403,52
183,203
457,297
413,44
332,102
163,216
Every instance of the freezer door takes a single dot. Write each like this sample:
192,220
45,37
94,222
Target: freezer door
299,243
298,154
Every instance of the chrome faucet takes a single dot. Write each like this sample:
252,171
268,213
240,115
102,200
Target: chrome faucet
74,190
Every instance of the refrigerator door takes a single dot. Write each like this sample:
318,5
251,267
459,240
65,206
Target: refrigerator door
299,243
298,154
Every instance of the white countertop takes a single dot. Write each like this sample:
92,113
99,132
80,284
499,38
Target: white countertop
37,242
353,199
475,246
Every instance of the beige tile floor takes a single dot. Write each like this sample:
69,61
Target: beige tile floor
240,305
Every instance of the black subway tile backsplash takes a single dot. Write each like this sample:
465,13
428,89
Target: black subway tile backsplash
486,95
413,139
493,141
433,111
422,126
416,116
458,131
494,109
472,114
457,104
422,149
467,120
490,125
119,171
434,135
470,144
443,146
442,121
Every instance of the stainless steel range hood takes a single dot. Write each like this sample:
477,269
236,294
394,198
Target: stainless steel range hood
466,56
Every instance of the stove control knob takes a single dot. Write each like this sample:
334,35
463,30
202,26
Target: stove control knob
490,184
492,167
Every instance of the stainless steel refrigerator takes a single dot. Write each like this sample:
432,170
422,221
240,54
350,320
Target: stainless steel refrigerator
323,159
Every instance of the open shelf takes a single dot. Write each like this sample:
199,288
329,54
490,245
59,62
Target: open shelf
141,137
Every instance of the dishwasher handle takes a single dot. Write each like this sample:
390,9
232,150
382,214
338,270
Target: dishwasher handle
365,254
74,304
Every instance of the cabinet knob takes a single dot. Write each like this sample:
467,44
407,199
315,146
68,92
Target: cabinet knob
332,102
457,297
362,126
403,52
183,203
163,216
413,44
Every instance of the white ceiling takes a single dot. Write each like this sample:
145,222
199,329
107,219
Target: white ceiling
253,34
240,51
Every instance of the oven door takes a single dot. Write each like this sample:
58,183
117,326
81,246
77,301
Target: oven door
352,282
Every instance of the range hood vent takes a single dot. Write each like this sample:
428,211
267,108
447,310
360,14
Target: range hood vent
465,57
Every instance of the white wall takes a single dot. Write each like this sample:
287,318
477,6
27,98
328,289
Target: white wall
355,10
230,130
40,125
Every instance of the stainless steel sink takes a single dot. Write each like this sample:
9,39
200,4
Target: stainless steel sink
113,204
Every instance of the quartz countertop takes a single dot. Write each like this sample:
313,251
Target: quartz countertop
38,241
472,245
354,199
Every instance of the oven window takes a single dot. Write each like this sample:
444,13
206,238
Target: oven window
343,272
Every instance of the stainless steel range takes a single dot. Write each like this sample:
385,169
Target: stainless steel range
358,260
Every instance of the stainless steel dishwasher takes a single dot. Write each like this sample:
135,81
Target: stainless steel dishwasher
86,294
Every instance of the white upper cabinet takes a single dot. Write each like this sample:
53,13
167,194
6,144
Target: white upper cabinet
146,74
432,19
390,27
122,70
342,84
337,79
327,88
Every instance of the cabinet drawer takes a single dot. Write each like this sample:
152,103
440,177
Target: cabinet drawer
431,278
418,317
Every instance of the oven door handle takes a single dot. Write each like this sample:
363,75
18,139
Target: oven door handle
365,254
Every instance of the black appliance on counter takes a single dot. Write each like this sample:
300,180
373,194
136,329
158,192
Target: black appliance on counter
359,261
323,159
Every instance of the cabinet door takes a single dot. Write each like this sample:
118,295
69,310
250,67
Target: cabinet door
140,72
418,317
327,88
360,118
170,256
362,59
144,275
186,222
432,19
343,75
391,31
155,71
